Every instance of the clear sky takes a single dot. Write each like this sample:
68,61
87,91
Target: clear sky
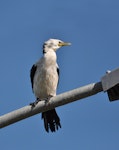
93,29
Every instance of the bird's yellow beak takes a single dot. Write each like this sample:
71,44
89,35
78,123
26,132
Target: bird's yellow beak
64,44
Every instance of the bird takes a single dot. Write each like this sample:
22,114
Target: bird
44,76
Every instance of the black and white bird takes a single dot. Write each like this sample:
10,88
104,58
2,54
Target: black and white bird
44,79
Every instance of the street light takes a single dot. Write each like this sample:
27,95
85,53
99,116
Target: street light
110,84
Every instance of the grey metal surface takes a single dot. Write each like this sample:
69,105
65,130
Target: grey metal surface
110,79
56,101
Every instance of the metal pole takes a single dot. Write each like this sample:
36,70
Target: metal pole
56,101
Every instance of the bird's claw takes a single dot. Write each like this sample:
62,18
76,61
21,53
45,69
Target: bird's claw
48,98
37,100
34,103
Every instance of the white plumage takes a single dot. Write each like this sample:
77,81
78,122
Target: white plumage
44,78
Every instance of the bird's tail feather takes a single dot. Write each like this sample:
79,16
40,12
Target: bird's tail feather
51,120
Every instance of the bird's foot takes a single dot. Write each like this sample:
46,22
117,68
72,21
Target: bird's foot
48,98
35,103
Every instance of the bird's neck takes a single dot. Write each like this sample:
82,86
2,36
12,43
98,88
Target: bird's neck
50,56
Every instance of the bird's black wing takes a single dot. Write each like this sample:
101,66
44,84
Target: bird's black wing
32,73
58,72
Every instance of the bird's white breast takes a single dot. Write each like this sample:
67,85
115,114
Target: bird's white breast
46,77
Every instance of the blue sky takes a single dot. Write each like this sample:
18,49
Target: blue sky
93,29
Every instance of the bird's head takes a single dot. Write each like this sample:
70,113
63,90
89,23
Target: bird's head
53,44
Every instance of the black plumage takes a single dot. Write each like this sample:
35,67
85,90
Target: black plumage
32,73
51,120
